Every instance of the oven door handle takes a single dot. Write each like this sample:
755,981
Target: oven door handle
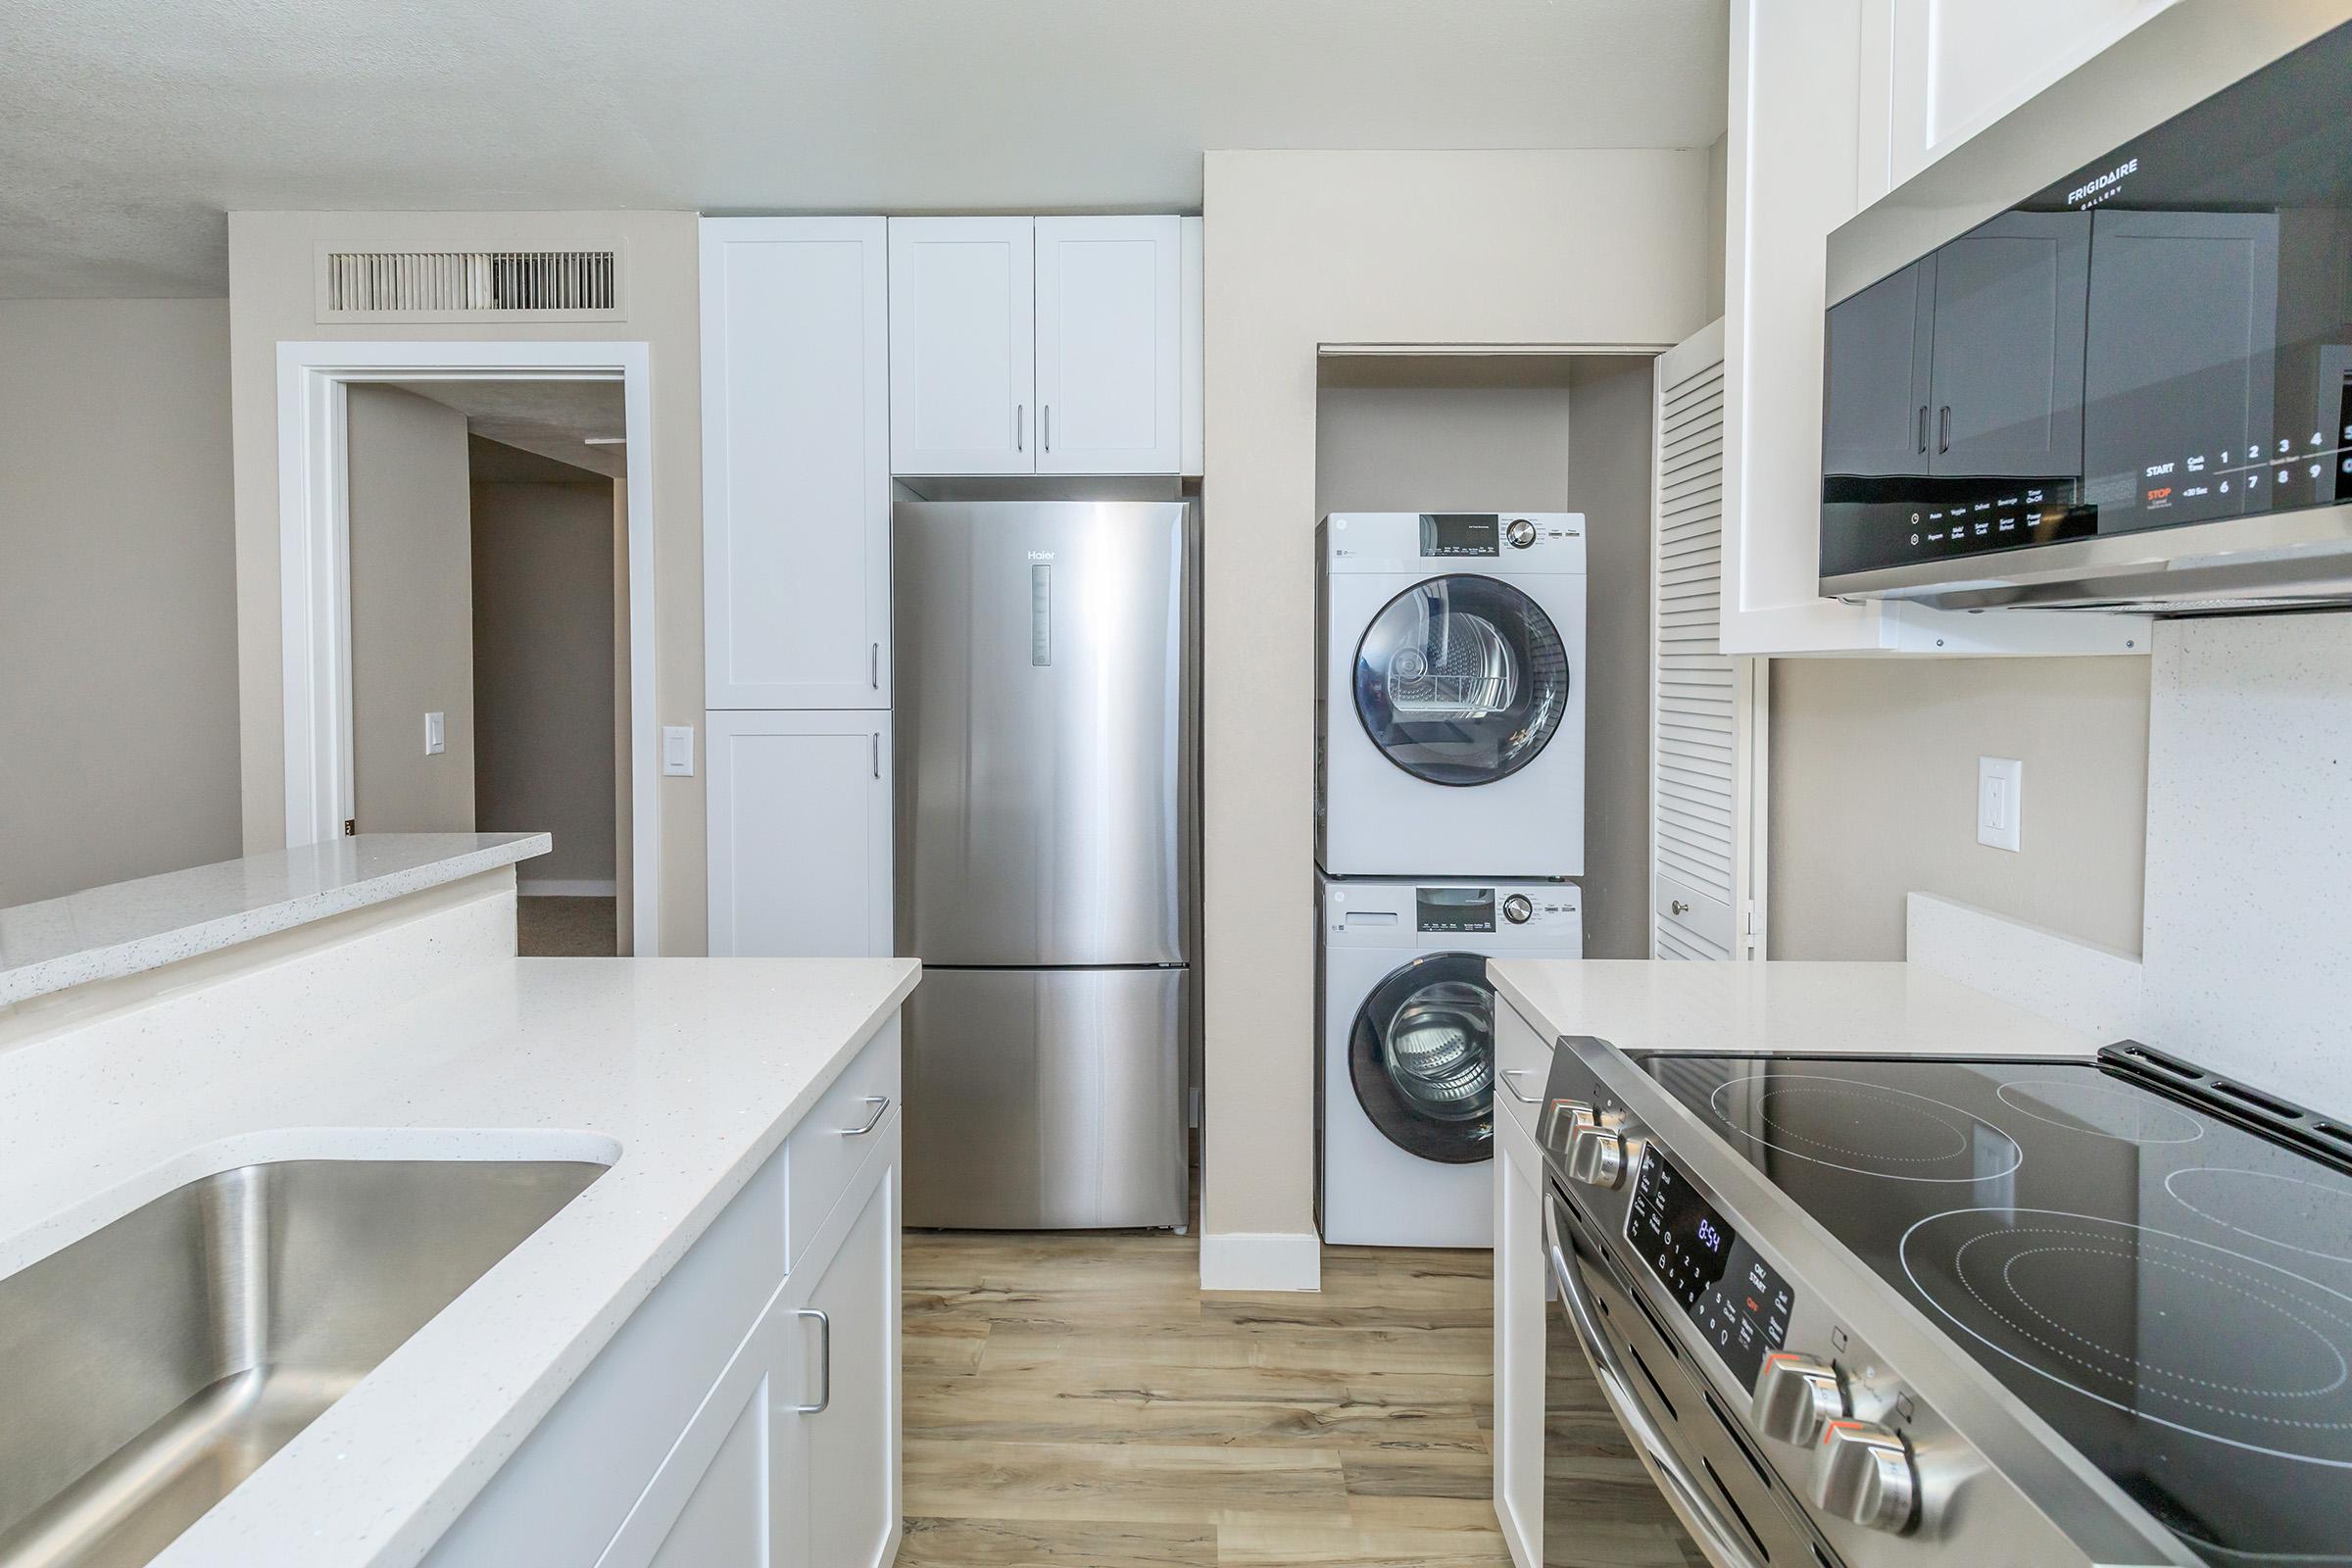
1716,1536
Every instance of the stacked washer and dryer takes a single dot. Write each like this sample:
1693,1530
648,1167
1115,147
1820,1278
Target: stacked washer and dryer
1450,800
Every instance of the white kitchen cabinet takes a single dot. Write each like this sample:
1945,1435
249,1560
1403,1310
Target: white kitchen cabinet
1797,147
800,838
796,462
1953,67
1521,1286
962,345
846,1478
694,1439
1109,323
1046,345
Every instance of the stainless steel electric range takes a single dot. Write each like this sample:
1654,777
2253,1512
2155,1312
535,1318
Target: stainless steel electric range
1900,1310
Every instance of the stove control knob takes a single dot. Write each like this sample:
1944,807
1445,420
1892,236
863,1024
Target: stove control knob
1597,1157
1797,1396
1518,909
1521,533
1561,1119
1866,1474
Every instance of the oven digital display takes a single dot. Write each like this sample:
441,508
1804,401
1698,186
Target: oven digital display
1739,1303
1461,533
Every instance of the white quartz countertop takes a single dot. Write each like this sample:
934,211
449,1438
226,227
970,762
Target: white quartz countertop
683,1074
1845,1009
113,931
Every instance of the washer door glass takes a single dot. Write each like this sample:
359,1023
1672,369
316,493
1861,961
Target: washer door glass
1422,1059
1461,680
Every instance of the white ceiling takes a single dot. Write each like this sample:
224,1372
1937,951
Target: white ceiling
553,418
128,128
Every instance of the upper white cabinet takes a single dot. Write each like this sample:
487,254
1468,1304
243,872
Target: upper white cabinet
962,345
796,462
1956,66
1048,345
1108,335
1808,116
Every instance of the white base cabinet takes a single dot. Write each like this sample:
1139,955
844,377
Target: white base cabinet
747,1415
1521,1285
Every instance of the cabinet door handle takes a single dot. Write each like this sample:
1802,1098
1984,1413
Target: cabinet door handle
1509,1073
881,1105
1923,428
876,738
1045,425
1944,430
1678,906
825,1362
873,666
1020,427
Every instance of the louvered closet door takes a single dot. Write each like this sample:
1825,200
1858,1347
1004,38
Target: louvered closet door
1706,719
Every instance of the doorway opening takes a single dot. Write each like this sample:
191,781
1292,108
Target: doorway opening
466,538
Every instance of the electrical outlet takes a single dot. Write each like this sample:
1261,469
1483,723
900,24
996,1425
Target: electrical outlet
2000,801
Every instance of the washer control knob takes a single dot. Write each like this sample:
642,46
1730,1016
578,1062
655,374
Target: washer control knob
1518,909
1597,1157
1797,1396
1521,533
1866,1474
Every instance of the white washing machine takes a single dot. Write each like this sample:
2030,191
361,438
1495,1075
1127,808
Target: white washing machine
1450,715
1406,1077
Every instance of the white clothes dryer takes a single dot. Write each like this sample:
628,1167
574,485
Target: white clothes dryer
1450,712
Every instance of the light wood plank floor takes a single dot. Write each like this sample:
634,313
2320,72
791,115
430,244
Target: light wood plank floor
1076,1400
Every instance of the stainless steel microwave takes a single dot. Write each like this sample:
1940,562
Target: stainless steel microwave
2132,389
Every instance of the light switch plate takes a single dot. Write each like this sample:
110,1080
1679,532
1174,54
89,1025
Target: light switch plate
432,735
2000,801
677,751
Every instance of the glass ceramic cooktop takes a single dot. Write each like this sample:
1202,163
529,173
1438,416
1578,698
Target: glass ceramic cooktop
2169,1290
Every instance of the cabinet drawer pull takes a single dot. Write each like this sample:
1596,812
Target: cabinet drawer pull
824,1360
881,1105
1509,1073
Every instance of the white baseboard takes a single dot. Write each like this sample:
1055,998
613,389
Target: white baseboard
560,887
2080,984
1278,1260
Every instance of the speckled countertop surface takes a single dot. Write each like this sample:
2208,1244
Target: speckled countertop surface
1848,1008
684,1073
113,931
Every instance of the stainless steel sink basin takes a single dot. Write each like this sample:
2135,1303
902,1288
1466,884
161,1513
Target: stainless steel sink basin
151,1366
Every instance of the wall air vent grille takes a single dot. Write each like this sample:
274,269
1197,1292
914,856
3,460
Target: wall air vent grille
457,286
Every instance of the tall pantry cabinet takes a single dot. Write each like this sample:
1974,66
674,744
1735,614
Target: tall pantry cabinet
795,573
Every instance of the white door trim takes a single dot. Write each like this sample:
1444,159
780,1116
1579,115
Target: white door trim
314,564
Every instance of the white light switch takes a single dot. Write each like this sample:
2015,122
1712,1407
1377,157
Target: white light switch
677,751
432,735
2000,801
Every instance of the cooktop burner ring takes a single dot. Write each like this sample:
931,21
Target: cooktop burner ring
2281,1292
2095,1098
2339,1194
1924,1110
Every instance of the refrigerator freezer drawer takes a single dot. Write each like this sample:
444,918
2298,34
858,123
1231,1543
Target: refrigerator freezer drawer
1045,1098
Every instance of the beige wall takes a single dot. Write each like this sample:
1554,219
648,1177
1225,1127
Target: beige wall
544,758
1310,248
412,614
1874,786
271,299
1612,403
118,593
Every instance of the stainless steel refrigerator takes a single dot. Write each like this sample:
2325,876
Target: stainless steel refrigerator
1045,860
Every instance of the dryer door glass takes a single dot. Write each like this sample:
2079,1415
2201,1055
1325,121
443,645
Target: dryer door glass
1461,680
1422,1059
